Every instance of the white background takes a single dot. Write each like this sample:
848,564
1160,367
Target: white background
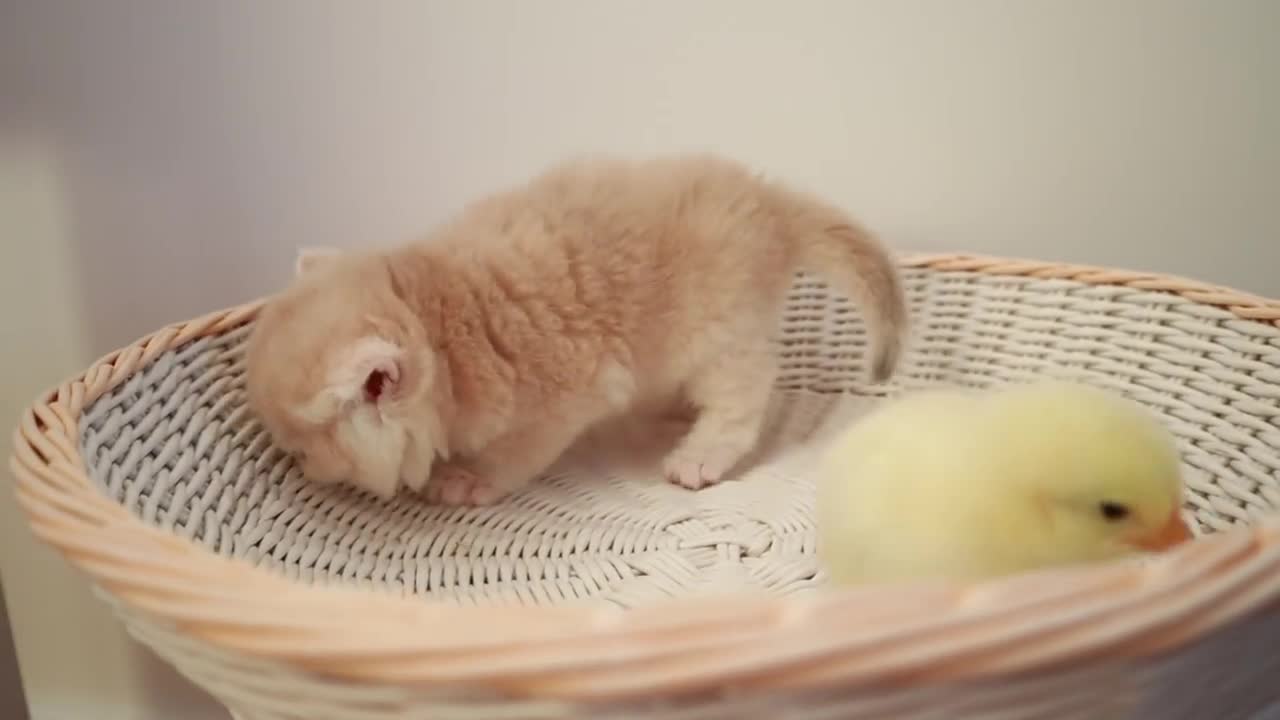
162,159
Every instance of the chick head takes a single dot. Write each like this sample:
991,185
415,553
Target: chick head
1099,472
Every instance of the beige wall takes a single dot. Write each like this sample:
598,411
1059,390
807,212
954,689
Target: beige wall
163,159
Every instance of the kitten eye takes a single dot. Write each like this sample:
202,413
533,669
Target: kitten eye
1113,511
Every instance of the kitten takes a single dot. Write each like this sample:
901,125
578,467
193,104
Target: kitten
474,358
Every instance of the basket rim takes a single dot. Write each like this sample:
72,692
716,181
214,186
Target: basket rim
916,631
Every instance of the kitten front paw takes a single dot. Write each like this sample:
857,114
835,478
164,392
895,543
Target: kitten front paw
457,486
698,470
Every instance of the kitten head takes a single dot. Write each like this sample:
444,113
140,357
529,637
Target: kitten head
338,369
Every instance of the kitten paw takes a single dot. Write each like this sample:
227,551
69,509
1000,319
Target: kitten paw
698,471
457,486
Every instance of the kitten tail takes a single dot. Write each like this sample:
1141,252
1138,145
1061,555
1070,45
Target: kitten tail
831,243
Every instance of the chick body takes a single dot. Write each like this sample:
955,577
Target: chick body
970,484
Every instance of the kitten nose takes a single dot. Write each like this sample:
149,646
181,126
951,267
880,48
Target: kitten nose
313,473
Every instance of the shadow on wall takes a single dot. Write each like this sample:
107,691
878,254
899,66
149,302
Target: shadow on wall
74,657
13,702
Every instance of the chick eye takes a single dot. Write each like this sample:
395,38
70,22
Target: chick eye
1113,511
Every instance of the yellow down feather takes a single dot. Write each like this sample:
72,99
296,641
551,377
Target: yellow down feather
968,484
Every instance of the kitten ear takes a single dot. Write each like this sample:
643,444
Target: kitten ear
371,371
310,258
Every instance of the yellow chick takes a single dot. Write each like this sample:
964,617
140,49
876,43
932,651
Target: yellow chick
965,485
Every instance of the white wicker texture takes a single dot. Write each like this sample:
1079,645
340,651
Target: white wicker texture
170,445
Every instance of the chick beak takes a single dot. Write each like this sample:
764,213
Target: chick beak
1174,532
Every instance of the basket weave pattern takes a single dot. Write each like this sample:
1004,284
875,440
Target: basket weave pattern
612,595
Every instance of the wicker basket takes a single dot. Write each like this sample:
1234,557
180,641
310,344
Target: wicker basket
625,597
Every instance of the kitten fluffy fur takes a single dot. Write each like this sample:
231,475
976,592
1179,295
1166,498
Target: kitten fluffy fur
466,363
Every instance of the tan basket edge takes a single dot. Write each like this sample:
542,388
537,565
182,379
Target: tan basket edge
943,631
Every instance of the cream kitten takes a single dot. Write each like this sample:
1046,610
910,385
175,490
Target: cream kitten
476,357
